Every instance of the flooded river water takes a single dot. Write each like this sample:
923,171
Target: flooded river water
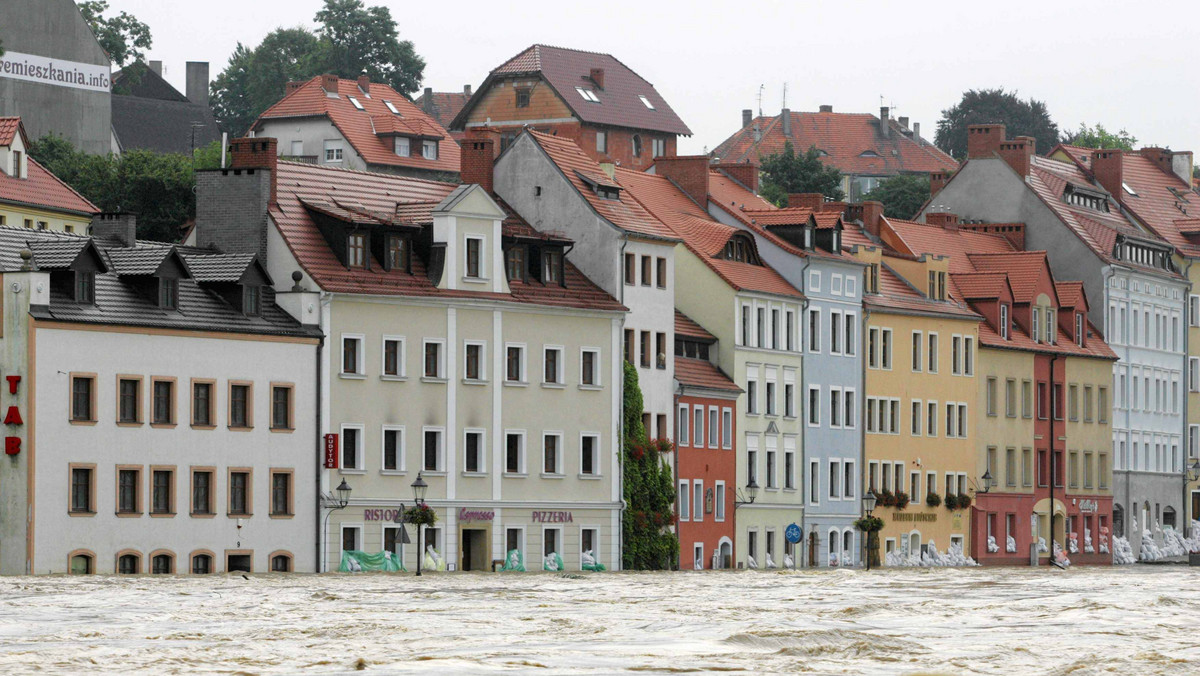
1128,620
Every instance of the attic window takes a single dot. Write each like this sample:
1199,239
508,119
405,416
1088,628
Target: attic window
608,193
739,250
552,267
1082,198
646,102
1129,190
822,153
391,107
522,97
868,153
252,300
85,287
168,294
514,263
587,94
355,102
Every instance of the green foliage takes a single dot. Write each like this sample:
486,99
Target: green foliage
420,515
902,195
123,37
155,186
932,499
649,490
869,524
786,172
1099,137
351,39
994,106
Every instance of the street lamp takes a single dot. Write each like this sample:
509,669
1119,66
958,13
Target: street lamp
869,500
1193,470
986,480
343,494
333,504
419,487
751,493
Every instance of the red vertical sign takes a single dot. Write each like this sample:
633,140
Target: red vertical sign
331,451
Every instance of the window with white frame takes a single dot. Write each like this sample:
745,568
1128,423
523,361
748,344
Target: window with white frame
814,482
352,354
333,151
434,365
956,355
726,427
552,461
835,479
771,392
352,447
835,406
885,349
752,390
685,495
814,405
552,365
403,146
1004,323
352,539
849,408
514,363
751,459
514,452
473,258
918,349
873,347
835,284
474,360
814,330
835,330
931,417
713,426
915,421
393,357
772,454
1193,374
962,421
682,426
429,150
849,346
698,426
789,393
698,500
931,362
589,454
474,451
1193,310
393,448
849,478
433,449
968,356
719,501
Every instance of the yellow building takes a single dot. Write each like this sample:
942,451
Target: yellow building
32,197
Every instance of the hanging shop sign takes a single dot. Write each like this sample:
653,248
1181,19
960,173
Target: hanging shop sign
465,514
1089,506
553,517
12,443
331,451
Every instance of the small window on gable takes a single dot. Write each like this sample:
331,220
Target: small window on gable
637,145
397,253
403,146
85,287
522,97
552,267
252,300
646,102
168,293
588,95
391,107
354,101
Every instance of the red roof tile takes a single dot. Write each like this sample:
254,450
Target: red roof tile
300,183
565,69
897,295
40,188
1024,269
851,142
735,200
9,126
685,326
443,107
362,127
980,285
1070,294
701,373
920,238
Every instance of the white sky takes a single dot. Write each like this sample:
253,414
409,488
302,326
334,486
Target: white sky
1124,64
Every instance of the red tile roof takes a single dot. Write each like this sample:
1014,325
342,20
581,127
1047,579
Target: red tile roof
443,107
625,213
735,200
851,142
361,127
1024,270
981,285
299,183
685,326
897,295
920,238
565,69
44,190
1070,294
9,126
701,373
703,236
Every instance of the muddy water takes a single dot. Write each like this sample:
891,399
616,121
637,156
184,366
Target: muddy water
1132,620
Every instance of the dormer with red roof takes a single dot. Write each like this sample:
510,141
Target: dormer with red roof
608,110
31,196
359,124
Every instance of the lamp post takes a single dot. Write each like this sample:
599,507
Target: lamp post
751,493
985,481
419,487
334,502
868,502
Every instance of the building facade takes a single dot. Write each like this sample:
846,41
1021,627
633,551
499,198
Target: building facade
30,196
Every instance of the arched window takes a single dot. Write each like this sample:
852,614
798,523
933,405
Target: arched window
281,562
835,543
848,548
162,563
202,564
637,145
129,563
81,563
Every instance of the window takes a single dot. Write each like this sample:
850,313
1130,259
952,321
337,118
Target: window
129,482
835,332
636,142
931,364
85,287
474,244
356,250
835,479
915,422
684,500
956,355
789,463
601,142
1026,399
789,395
281,493
393,448
514,371
1004,322
991,396
514,453
645,351
281,407
885,349
129,564
814,330
751,460
658,147
202,404
712,426
762,328
129,394
162,496
281,563
647,262
552,365
660,359
352,447
202,492
239,405
770,392
397,254
514,263
849,479
931,413
433,359
589,367
681,426
239,492
81,563
251,300
429,150
393,357
431,449
968,355
352,538
814,405
661,270
835,407
522,97
698,431
83,399
473,368
552,453
630,269
552,267
403,146
589,455
202,564
917,351
848,339
587,95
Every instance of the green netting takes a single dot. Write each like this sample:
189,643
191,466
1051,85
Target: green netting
554,564
589,562
514,561
354,561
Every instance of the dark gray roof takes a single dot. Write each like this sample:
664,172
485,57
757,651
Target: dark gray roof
214,267
160,125
123,301
137,260
56,254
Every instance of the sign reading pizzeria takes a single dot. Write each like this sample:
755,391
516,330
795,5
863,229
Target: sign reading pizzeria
553,517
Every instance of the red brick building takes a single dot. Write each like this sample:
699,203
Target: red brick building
608,110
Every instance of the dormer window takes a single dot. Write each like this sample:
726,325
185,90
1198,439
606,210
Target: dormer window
85,287
252,300
937,285
356,250
646,102
403,148
871,283
1050,325
354,101
397,253
429,150
739,250
514,263
522,97
1079,332
474,252
868,153
16,155
1004,325
608,193
588,95
1083,198
1036,332
168,293
391,108
552,267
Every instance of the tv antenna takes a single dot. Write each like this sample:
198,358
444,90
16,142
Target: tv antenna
760,93
785,95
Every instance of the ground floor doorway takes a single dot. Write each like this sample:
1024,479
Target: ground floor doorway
476,548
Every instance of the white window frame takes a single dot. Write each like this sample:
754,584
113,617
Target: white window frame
719,501
814,410
726,427
698,421
835,284
697,512
483,361
814,482
932,355
522,455
483,451
402,357
595,538
401,451
598,472
441,451
560,378
333,151
360,359
684,498
835,331
683,426
849,408
714,416
916,423
359,538
524,364
360,444
483,271
441,369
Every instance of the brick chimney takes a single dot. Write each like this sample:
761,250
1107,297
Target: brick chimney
197,82
826,108
479,157
329,83
785,117
1017,152
256,153
872,216
839,207
885,128
427,101
467,90
689,172
943,220
292,86
806,200
364,83
937,181
745,173
983,140
597,76
747,117
119,227
1108,166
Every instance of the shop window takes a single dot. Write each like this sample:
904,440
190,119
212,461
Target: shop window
129,564
202,564
237,563
162,564
281,563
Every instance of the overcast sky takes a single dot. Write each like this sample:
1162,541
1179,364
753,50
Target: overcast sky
1125,64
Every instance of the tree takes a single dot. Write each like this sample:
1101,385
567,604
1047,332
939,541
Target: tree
123,37
994,106
649,490
902,196
158,187
1099,137
787,172
350,40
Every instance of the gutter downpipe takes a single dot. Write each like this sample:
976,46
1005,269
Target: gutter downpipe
675,477
326,300
320,449
1186,507
1054,403
620,412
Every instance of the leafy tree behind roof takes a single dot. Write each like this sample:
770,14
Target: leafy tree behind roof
994,106
901,195
786,172
123,37
1099,137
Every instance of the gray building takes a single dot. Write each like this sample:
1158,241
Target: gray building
1141,303
147,112
54,74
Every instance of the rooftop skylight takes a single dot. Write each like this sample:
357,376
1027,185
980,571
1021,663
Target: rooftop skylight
355,102
587,94
646,102
391,107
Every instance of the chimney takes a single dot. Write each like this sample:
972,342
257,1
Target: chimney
1177,163
838,207
983,140
197,82
1109,170
479,157
329,83
597,76
745,173
1181,165
156,66
826,108
364,83
786,116
292,86
1017,152
806,200
885,129
467,90
937,181
945,220
689,172
916,131
427,101
747,117
119,227
256,153
872,216
903,122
